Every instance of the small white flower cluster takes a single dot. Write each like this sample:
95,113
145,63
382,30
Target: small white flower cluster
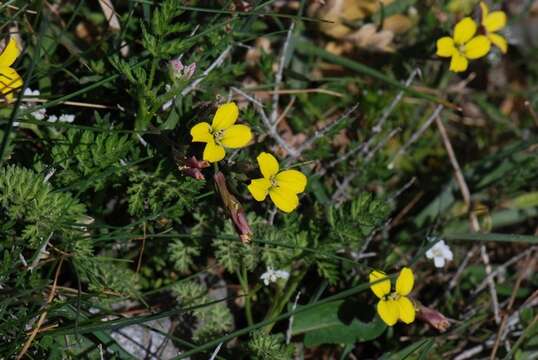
271,275
41,114
440,253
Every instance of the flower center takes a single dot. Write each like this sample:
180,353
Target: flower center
273,181
392,296
217,135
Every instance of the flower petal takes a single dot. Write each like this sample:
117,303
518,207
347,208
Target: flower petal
439,261
213,152
485,9
405,282
495,21
464,30
458,63
292,180
477,47
10,53
406,310
259,188
225,116
389,311
445,47
381,288
201,132
284,199
268,165
236,136
499,41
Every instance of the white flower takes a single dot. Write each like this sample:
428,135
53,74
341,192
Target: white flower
39,114
440,253
271,275
52,118
68,118
31,93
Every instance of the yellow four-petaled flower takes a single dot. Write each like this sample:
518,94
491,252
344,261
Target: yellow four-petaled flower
282,186
394,306
463,46
493,22
222,133
9,78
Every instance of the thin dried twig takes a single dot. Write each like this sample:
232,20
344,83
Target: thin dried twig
416,135
279,73
216,352
321,133
290,323
43,315
271,130
475,226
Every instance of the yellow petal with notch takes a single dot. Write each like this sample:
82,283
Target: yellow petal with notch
284,199
478,46
201,132
268,165
225,116
388,311
499,41
406,310
405,282
458,63
213,152
259,188
464,30
236,136
495,21
10,53
445,47
380,288
291,180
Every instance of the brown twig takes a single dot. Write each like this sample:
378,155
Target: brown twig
44,314
475,226
504,322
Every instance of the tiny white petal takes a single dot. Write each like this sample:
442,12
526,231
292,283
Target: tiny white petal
439,262
52,118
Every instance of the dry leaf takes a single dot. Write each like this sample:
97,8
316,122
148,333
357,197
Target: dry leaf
367,37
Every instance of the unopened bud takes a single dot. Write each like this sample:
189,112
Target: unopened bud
234,208
433,317
192,167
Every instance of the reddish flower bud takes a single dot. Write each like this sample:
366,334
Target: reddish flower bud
192,166
234,208
433,317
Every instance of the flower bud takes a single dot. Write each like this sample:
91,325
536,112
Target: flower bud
234,208
192,167
433,317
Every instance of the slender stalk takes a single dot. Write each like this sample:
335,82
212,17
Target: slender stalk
283,298
243,280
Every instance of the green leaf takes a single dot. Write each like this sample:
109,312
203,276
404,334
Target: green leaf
337,323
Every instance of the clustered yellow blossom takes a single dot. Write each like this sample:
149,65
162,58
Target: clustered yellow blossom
282,187
10,80
396,305
465,44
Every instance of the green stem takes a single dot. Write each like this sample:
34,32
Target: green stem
243,280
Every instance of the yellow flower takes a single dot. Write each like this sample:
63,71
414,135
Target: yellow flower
463,46
396,305
282,186
222,133
9,79
493,22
